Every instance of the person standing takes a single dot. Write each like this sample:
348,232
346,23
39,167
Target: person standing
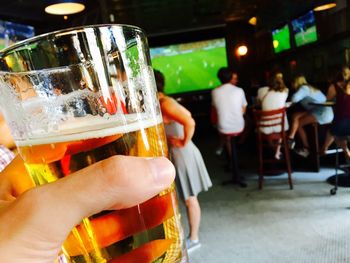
230,104
192,175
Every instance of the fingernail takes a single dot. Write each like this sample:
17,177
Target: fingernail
163,171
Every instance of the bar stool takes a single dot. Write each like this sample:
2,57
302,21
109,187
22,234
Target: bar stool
236,179
274,119
345,176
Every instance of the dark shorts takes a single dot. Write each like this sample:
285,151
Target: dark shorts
341,128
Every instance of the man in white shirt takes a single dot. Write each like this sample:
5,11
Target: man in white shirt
230,104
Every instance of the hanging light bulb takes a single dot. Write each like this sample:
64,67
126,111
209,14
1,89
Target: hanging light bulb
253,21
325,5
64,7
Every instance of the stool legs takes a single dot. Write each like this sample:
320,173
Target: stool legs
261,165
236,178
287,159
234,161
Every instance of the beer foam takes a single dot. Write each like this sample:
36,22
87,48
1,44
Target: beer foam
91,127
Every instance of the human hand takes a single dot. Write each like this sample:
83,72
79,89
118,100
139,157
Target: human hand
176,141
34,226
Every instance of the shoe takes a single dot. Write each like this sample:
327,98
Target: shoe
242,184
192,245
279,156
302,152
291,143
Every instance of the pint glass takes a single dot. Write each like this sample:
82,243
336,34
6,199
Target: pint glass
78,96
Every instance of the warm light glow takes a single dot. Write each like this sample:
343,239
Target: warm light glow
325,6
242,50
65,17
65,8
275,43
253,21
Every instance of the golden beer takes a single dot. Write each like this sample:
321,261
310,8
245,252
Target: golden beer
149,232
75,97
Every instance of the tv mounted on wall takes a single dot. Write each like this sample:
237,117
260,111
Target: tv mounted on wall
281,38
190,66
304,29
11,33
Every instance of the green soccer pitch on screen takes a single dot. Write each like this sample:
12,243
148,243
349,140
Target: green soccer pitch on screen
304,29
190,66
281,39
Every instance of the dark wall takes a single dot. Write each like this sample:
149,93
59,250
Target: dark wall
319,60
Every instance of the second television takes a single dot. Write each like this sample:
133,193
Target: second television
304,29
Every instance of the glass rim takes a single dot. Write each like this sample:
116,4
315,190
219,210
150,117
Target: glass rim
38,38
37,71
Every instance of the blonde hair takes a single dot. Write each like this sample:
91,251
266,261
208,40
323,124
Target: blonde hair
301,81
277,84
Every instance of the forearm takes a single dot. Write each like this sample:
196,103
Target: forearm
6,137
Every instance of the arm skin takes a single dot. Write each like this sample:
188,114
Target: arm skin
173,111
331,93
5,138
244,109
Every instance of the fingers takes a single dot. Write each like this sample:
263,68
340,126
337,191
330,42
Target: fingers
117,182
176,142
14,179
48,213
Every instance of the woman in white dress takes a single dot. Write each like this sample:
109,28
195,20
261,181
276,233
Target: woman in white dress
273,98
191,173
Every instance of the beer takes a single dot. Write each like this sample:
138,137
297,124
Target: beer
149,232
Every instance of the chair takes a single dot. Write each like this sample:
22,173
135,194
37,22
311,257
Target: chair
274,119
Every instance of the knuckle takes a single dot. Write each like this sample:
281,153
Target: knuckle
120,170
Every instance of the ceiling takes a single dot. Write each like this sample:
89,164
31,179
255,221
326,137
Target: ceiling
157,16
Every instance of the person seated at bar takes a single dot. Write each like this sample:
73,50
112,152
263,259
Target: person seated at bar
230,104
305,94
340,127
338,81
273,98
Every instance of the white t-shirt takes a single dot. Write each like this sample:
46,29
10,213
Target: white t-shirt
272,100
229,101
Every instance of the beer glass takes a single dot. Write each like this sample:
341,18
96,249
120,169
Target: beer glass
75,97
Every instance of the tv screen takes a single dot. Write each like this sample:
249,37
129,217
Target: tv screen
304,29
281,39
11,33
190,66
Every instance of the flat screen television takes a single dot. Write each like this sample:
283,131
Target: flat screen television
190,66
281,38
304,29
11,33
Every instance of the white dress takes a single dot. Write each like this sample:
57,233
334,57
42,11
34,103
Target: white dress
192,175
272,100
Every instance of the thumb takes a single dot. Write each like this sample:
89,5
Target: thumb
49,212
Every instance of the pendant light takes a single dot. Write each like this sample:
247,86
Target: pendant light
64,7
